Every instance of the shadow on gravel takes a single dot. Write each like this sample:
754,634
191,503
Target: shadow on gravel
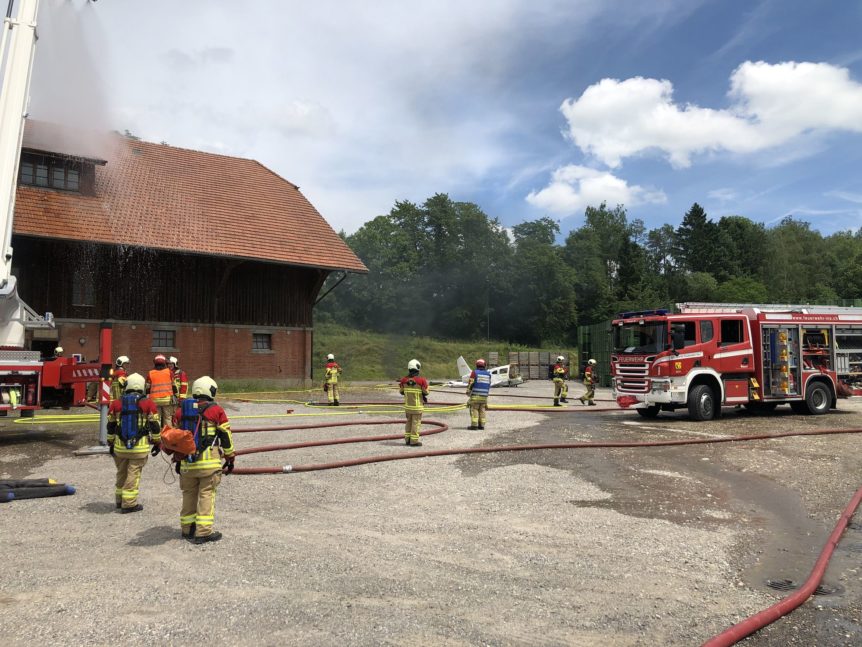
100,507
155,536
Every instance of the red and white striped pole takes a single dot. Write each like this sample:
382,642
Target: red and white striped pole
105,383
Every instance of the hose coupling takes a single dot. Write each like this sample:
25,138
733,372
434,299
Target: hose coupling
287,468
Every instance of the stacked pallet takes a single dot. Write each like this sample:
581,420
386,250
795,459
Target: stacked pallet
534,365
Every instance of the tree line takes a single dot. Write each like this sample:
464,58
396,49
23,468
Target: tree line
446,269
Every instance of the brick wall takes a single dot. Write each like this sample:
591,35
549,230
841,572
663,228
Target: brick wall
219,351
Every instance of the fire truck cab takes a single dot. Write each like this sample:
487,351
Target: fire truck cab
713,355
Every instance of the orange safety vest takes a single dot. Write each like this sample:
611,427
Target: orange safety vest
161,385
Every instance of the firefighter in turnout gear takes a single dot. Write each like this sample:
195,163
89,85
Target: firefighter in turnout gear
560,375
118,377
133,434
330,380
200,474
160,388
181,379
589,382
415,392
478,388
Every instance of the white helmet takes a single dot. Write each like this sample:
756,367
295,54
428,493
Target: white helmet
122,359
414,365
173,360
58,350
204,387
330,357
592,362
135,382
560,358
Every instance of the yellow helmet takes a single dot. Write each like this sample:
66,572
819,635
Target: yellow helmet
204,387
135,382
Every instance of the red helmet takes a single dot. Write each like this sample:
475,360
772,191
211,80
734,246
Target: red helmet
480,363
160,359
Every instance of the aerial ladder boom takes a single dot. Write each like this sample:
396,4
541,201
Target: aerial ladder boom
17,49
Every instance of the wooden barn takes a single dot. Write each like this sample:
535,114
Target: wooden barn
214,259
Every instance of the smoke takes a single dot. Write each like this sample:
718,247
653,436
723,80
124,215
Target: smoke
67,87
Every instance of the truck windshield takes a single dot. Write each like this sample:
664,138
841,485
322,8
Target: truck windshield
640,338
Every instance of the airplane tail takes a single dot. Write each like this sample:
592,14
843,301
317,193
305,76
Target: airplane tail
463,368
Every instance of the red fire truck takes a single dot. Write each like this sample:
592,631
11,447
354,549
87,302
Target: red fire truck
27,380
713,355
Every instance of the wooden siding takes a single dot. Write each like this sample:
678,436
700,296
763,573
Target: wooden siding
133,284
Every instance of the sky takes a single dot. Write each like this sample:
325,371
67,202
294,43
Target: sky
529,108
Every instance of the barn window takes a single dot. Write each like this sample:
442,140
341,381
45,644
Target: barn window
165,339
261,341
53,172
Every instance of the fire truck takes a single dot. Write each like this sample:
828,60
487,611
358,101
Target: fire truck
710,355
27,380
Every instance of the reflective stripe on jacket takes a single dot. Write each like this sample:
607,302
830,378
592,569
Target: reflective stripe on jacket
161,385
333,370
147,413
215,438
479,384
413,388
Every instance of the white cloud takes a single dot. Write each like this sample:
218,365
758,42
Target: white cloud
846,195
574,187
724,194
771,105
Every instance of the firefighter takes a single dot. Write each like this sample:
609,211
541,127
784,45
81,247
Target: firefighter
160,388
415,392
133,433
181,379
118,377
560,374
478,388
201,473
330,380
589,382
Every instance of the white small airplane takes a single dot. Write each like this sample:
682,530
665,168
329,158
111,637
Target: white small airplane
500,375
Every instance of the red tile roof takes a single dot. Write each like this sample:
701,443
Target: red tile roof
158,196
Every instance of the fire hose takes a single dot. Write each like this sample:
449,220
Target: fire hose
728,637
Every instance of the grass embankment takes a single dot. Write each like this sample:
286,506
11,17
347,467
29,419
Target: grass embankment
373,356
368,356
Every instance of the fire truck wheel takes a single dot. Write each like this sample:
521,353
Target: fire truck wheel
649,412
818,399
701,403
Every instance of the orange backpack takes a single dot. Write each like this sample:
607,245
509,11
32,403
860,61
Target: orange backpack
179,441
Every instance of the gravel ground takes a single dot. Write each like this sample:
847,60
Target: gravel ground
650,546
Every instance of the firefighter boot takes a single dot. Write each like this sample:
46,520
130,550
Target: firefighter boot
335,403
215,535
472,428
591,403
134,508
191,534
557,402
481,426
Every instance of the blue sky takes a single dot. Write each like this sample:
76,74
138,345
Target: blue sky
526,108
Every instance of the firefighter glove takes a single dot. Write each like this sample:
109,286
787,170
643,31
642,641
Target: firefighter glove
424,398
177,467
228,464
112,427
155,450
